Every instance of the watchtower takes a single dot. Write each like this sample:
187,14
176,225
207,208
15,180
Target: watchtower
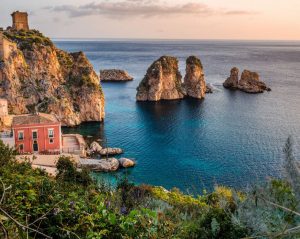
20,21
3,107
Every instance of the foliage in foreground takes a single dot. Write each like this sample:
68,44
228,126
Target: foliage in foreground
72,205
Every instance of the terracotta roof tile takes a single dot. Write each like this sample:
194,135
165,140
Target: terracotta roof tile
40,118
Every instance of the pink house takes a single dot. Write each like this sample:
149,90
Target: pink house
37,133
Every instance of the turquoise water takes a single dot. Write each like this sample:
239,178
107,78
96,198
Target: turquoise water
230,138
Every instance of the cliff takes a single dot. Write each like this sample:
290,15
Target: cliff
194,82
162,81
38,76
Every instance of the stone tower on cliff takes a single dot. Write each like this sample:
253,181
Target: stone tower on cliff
20,21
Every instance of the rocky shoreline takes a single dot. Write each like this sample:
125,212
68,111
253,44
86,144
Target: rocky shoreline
108,164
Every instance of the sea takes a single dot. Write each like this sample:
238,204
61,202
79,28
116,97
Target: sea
230,138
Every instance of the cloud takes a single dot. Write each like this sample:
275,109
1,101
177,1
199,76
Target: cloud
140,8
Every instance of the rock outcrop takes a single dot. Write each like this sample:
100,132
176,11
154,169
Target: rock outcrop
126,163
101,165
233,80
161,82
194,82
37,76
249,82
110,151
115,75
95,147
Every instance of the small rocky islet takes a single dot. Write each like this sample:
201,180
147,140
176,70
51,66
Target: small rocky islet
115,75
250,82
163,80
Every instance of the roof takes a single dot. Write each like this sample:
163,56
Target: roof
39,118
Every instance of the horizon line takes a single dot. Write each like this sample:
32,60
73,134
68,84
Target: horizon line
166,39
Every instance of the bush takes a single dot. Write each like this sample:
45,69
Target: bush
7,154
67,172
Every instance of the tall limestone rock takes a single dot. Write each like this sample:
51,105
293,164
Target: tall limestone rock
194,81
39,76
162,81
233,80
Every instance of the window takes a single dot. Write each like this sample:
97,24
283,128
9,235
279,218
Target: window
34,134
51,133
20,135
51,141
21,147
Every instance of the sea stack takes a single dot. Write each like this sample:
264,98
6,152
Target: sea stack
249,82
194,82
233,80
162,81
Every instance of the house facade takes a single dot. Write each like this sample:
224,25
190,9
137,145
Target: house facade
37,133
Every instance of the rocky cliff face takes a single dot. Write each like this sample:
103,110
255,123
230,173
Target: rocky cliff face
194,82
162,81
249,82
38,76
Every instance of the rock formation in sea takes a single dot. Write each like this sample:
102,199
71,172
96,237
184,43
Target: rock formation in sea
249,82
233,80
37,76
126,163
194,82
162,81
115,75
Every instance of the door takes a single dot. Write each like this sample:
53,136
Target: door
35,146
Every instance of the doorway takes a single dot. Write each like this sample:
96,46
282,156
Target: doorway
35,146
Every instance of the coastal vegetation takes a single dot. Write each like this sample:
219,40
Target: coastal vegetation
26,39
73,205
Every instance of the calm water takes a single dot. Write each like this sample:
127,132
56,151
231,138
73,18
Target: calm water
230,138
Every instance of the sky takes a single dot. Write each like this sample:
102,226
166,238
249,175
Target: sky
160,19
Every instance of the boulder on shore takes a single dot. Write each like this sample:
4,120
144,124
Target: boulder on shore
95,147
102,165
194,81
115,75
126,163
162,81
249,82
233,80
110,151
